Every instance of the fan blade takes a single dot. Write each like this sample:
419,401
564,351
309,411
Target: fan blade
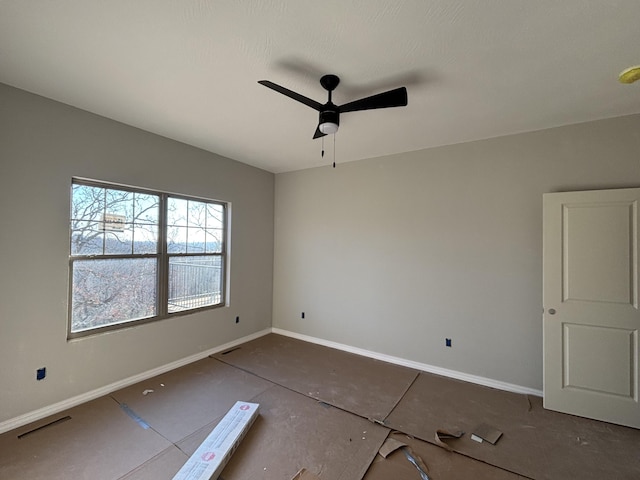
392,98
291,94
318,133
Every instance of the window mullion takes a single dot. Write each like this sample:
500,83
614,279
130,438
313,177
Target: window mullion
104,232
163,260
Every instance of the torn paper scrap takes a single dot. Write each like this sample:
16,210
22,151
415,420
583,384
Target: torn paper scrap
487,433
389,446
442,435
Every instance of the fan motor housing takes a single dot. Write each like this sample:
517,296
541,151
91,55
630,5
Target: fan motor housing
329,116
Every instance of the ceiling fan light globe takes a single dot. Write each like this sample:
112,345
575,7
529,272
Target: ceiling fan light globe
328,128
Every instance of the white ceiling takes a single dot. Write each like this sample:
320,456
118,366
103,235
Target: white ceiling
188,69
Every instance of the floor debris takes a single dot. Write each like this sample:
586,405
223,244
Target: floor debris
487,433
391,445
442,435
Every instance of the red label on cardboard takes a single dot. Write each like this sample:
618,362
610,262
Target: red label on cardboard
208,456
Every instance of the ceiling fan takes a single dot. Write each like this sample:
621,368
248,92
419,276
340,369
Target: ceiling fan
330,112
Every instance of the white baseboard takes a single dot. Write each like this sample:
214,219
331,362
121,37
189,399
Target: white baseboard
107,389
99,392
445,372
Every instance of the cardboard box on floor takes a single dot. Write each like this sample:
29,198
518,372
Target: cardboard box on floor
214,452
294,432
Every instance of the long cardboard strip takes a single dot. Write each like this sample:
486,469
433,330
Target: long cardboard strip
208,461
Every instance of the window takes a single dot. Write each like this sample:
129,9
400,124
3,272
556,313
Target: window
138,255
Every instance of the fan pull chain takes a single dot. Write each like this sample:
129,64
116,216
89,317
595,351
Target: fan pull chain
322,151
334,150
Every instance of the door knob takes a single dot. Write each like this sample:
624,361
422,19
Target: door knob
552,311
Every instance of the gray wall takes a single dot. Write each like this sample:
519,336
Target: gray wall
394,254
43,144
390,254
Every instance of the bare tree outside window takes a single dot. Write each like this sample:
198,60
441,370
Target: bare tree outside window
122,271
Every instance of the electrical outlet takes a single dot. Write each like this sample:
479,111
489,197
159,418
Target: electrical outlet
447,342
41,373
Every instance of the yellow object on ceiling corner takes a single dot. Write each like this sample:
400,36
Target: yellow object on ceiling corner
630,75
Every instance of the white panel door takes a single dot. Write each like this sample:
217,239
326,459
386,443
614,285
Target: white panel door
591,315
